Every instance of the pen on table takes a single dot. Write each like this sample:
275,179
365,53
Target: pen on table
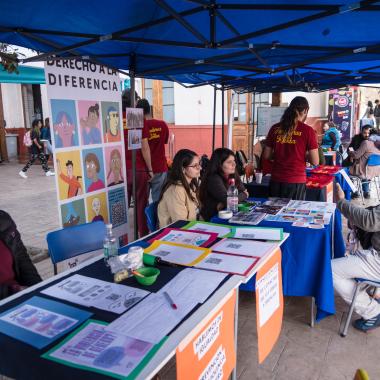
170,300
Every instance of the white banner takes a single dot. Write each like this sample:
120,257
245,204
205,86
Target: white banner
87,137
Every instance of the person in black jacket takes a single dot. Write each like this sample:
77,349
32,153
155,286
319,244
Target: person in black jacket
16,269
214,184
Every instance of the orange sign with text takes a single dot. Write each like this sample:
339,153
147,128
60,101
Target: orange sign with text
210,351
269,304
329,192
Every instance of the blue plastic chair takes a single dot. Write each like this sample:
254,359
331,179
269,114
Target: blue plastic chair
360,283
151,216
74,241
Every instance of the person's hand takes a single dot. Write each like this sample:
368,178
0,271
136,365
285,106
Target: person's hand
339,193
151,175
246,193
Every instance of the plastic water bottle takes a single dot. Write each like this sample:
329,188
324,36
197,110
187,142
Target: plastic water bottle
110,245
232,196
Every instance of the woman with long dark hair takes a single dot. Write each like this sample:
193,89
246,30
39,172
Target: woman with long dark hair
36,151
215,182
179,198
291,142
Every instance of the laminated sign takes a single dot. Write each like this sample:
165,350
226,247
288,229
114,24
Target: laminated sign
209,353
269,304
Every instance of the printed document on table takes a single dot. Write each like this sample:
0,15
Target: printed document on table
220,229
154,317
93,348
103,295
180,254
243,247
258,233
176,235
233,264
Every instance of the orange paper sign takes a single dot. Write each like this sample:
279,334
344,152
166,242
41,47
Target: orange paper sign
210,352
269,304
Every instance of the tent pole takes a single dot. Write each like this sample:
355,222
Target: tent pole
222,116
135,230
231,120
213,121
253,124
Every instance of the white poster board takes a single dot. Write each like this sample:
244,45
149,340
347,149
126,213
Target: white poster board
266,117
87,137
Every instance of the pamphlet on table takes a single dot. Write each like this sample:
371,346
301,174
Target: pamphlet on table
154,317
258,233
242,247
181,254
251,217
94,348
189,237
92,292
40,321
221,229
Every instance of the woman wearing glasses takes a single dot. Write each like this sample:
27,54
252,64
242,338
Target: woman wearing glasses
179,198
215,182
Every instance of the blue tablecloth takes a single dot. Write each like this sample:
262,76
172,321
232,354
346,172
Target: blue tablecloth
306,267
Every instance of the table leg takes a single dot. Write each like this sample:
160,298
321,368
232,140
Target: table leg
233,375
312,313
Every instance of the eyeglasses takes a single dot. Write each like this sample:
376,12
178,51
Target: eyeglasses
195,166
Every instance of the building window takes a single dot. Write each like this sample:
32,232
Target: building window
168,101
240,107
260,100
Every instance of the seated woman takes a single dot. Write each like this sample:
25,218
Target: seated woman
214,185
179,198
16,269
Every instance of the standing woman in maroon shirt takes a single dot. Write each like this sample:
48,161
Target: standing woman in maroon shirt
290,143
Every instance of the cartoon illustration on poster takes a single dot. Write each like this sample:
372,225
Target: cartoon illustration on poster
64,123
93,168
73,213
89,121
114,168
69,172
340,111
97,208
117,207
111,122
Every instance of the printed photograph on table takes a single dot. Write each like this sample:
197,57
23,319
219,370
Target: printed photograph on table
64,123
97,208
89,122
73,213
134,118
117,207
134,139
93,169
69,174
114,165
111,122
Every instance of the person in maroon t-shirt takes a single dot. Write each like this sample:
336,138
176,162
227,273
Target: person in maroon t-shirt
291,143
158,137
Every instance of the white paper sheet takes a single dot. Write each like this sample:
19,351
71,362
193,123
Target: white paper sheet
185,237
243,247
227,263
209,227
89,292
254,233
154,317
96,348
178,254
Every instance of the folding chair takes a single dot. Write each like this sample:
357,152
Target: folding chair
373,160
151,216
74,241
361,283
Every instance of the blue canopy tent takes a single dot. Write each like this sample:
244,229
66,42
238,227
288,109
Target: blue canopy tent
248,45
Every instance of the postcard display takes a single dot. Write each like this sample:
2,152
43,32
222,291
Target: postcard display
86,128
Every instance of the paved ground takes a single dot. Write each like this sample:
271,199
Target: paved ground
302,352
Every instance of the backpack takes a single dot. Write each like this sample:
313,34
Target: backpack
27,140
